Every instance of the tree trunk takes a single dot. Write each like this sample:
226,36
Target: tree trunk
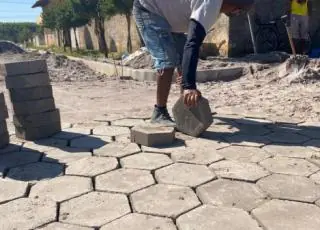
99,31
129,42
75,38
59,36
66,39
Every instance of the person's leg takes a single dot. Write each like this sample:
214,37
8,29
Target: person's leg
304,29
180,40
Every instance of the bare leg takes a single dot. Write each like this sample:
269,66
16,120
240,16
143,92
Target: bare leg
164,81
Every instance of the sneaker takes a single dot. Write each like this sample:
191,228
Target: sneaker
161,116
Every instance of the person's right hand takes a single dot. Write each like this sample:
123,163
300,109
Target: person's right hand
191,97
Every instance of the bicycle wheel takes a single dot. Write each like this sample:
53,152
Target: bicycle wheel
267,40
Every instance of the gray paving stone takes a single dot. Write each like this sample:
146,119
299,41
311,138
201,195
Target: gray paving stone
94,209
312,133
227,193
61,188
290,188
61,226
239,170
221,129
206,144
252,130
164,149
35,172
29,94
10,190
14,159
128,122
248,140
90,142
184,174
164,200
315,161
183,137
244,154
135,221
208,218
36,133
27,213
92,166
37,120
44,145
289,138
289,151
125,138
289,166
32,107
124,180
318,203
110,131
27,81
313,144
117,150
277,214
316,177
72,133
65,155
148,161
25,67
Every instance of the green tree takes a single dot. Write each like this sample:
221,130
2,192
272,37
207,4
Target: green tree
18,32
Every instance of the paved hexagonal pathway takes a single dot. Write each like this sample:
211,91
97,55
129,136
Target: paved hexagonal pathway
137,221
200,143
289,138
239,170
72,133
318,203
291,151
290,166
124,180
110,130
164,149
248,140
128,122
44,145
277,215
62,188
244,154
290,187
61,226
149,161
92,166
90,142
313,144
14,159
94,209
27,213
184,174
11,148
164,200
117,150
10,190
65,155
208,217
316,177
229,193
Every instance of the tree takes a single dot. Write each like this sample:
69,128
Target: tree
18,32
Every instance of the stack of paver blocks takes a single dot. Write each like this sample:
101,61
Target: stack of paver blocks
4,135
35,115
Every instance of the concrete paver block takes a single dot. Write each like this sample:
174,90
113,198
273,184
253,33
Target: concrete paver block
135,221
61,188
72,133
206,144
124,180
29,94
61,226
290,188
244,154
291,166
277,214
117,150
35,172
290,151
14,159
94,209
32,107
248,140
152,136
92,166
128,122
193,121
110,131
164,200
10,190
229,193
310,132
90,142
184,174
239,170
148,161
24,67
37,120
289,138
65,155
27,81
316,177
4,140
208,217
165,149
43,145
36,133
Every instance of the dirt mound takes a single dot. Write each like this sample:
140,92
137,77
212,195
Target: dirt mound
10,47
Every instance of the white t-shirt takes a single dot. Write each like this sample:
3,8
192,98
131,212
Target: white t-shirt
179,12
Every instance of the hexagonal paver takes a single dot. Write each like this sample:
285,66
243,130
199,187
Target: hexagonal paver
92,166
90,142
124,180
164,149
229,193
248,140
44,145
149,161
316,177
35,172
184,174
313,144
291,151
27,213
164,200
61,226
117,150
200,143
312,133
125,139
14,159
110,130
254,130
128,122
61,188
10,189
135,221
208,217
94,209
193,155
72,133
290,166
285,137
277,214
290,188
65,155
239,170
244,154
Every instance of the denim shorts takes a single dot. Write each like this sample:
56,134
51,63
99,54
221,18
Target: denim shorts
165,47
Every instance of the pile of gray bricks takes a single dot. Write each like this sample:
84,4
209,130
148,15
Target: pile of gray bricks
35,114
4,135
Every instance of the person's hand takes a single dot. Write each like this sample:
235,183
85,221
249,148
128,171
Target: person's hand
191,97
